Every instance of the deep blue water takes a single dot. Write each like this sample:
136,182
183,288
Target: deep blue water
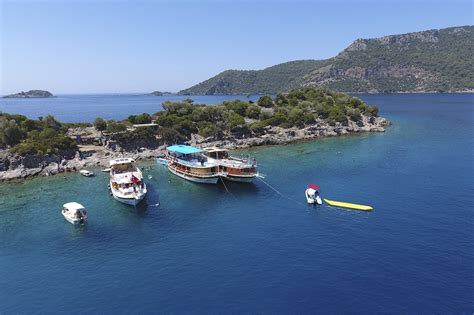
85,108
204,250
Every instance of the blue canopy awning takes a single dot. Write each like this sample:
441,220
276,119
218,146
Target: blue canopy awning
183,149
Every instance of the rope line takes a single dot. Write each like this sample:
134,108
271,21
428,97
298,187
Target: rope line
225,186
278,192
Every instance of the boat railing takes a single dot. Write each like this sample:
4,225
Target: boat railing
196,174
194,163
249,161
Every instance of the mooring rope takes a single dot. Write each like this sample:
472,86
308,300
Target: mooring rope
225,186
281,194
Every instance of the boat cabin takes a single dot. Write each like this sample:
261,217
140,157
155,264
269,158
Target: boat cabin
190,162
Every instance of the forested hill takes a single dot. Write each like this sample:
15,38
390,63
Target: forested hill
434,60
282,77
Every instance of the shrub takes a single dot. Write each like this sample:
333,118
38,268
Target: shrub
170,136
235,120
140,119
10,132
337,114
114,127
258,127
372,111
295,117
240,107
265,101
277,119
253,111
354,114
100,124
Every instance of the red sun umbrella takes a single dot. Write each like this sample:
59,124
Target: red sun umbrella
313,186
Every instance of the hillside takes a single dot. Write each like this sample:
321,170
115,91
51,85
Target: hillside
433,60
282,77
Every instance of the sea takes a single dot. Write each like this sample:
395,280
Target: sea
256,248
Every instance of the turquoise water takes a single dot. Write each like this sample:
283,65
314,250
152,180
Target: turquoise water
204,250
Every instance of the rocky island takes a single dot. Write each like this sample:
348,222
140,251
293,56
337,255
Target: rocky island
47,147
158,93
30,94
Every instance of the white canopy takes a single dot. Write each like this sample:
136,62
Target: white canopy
73,206
121,161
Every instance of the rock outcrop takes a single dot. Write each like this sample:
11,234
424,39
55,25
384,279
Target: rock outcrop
16,167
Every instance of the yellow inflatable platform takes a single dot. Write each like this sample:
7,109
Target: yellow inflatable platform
348,205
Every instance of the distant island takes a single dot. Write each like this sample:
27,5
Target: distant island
30,94
46,146
429,61
158,93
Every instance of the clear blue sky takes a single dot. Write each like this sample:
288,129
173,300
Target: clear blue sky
120,46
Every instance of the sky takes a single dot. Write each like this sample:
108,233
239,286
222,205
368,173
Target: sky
75,47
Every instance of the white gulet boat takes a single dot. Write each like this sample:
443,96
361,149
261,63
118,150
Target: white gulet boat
126,181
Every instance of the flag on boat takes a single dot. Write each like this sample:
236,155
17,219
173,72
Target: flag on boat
135,179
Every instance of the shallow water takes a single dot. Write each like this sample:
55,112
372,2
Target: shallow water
205,250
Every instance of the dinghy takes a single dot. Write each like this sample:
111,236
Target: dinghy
312,194
347,205
86,173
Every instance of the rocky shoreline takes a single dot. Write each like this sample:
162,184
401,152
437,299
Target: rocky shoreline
20,167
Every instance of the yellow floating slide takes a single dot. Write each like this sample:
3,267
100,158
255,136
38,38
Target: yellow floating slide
348,205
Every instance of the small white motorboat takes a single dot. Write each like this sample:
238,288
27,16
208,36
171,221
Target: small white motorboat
312,194
106,170
86,173
74,213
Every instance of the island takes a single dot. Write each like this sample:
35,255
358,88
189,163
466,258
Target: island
158,93
46,147
30,94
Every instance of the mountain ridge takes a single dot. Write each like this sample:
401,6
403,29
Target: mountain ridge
437,60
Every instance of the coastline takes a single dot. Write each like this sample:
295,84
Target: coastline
13,167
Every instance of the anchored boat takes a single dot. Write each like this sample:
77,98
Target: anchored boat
126,181
233,168
312,194
190,163
86,173
74,213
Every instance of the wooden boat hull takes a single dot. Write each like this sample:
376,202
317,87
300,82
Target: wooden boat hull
347,205
240,179
200,180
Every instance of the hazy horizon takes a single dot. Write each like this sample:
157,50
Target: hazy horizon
85,47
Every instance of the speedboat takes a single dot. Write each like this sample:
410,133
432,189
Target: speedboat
105,170
86,173
312,194
126,181
74,213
